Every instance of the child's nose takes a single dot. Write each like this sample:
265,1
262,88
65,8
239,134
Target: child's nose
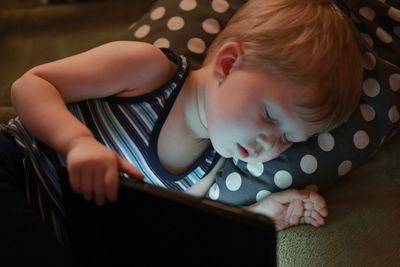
266,141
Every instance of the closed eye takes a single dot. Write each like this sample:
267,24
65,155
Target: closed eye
268,118
285,140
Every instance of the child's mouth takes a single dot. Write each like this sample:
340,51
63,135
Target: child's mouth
242,151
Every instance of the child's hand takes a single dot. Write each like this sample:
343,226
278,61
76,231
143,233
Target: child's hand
93,170
292,207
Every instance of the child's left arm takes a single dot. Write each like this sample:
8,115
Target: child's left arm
41,94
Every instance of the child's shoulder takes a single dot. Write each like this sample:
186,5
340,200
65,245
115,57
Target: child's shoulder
152,67
148,56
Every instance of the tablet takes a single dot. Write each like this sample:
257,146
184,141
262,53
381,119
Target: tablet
154,226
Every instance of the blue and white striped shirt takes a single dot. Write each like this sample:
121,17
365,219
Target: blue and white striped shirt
131,127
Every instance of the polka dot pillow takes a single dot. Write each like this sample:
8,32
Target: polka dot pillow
185,26
188,27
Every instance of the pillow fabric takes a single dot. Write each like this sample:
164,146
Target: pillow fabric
185,26
188,27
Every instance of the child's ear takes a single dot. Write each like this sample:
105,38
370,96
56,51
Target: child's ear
226,58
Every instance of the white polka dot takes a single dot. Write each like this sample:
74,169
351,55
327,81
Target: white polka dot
393,114
394,81
157,13
345,167
162,42
312,187
255,169
369,61
396,31
326,141
361,139
188,5
367,13
175,23
383,35
196,45
220,6
371,87
214,192
367,112
394,13
283,179
143,31
368,39
211,26
262,194
233,181
308,164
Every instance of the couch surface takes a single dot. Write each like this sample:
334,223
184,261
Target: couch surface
362,229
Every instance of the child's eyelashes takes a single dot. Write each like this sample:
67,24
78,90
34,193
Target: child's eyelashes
268,118
285,140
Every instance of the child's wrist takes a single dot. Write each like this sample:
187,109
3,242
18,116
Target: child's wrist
77,141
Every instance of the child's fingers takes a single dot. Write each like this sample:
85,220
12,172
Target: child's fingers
316,202
111,184
322,210
312,221
86,186
315,216
295,212
308,205
99,189
74,180
128,168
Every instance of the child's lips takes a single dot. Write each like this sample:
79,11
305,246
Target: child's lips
242,151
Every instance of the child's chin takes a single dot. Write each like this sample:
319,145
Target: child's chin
251,161
258,159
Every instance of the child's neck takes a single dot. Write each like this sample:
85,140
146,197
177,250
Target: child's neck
194,103
184,135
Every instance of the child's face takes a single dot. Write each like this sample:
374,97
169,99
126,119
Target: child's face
250,116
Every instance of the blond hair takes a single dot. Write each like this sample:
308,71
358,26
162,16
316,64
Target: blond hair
310,42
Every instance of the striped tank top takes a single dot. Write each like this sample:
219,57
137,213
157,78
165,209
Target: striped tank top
128,125
131,127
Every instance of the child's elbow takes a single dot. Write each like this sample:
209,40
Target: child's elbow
20,87
16,88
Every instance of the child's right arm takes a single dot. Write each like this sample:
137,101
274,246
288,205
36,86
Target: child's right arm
39,97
